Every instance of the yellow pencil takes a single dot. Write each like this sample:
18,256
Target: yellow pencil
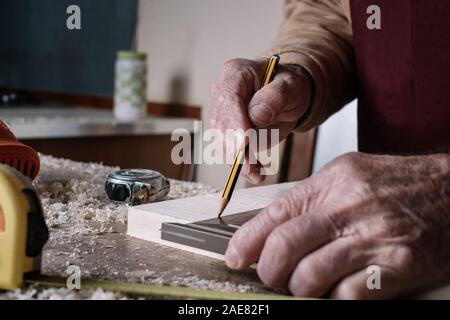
240,157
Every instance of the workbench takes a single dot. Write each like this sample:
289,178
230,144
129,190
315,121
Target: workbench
89,231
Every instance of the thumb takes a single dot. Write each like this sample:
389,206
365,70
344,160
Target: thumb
267,104
284,96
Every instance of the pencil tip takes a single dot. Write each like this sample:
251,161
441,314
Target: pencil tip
222,207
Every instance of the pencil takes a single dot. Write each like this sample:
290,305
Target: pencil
271,69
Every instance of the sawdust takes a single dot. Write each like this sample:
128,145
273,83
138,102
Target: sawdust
187,280
73,196
34,293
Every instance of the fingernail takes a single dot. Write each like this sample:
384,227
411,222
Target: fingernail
260,114
232,258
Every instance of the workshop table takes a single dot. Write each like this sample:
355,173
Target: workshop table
89,231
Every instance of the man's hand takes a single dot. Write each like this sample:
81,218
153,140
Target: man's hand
237,102
359,210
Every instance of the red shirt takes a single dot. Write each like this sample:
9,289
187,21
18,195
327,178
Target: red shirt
403,76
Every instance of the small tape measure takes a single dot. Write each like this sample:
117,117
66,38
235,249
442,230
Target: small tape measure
136,186
23,231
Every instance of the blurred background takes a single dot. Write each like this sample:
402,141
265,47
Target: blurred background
57,85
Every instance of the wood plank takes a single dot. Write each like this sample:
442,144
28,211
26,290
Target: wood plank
145,221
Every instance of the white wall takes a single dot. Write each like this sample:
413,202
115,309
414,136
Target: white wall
336,136
188,41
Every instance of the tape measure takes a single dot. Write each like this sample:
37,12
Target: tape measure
136,186
23,231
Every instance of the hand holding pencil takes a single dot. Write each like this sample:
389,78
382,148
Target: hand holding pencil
240,102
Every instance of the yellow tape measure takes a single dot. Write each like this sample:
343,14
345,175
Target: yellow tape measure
23,232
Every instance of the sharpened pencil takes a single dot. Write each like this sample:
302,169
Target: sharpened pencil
240,157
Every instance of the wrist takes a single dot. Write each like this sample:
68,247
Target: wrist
311,93
313,72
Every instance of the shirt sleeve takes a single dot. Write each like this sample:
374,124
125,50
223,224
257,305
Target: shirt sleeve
317,35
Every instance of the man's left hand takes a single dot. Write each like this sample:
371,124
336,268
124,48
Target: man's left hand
360,210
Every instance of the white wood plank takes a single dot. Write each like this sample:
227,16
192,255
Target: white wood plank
144,221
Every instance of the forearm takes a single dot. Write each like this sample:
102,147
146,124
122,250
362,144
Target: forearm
317,36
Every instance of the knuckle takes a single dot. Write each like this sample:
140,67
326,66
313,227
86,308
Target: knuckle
278,209
287,207
242,236
304,196
351,168
347,161
401,257
306,280
280,242
226,99
295,288
233,64
265,274
246,169
347,290
238,69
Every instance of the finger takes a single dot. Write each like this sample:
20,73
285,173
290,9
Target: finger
228,111
288,243
227,136
246,244
319,271
280,97
229,99
363,285
252,172
241,76
284,129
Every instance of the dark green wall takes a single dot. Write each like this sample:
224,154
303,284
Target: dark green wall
37,51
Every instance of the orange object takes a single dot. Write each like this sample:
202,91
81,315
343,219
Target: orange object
17,155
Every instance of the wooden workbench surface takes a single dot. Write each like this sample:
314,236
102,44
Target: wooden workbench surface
88,231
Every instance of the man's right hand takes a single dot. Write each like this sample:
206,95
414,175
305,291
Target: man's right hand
237,102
